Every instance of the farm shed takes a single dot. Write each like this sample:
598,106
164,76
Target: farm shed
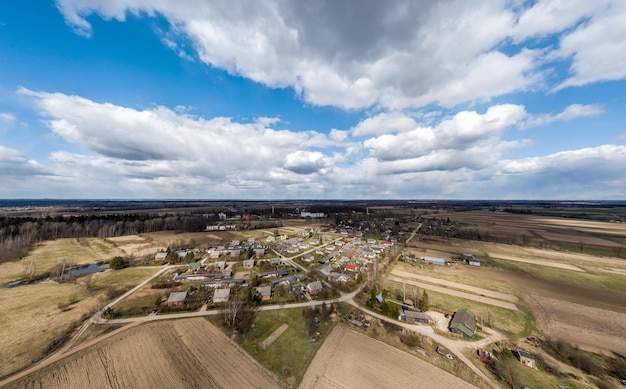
176,298
464,323
221,295
416,317
435,261
160,256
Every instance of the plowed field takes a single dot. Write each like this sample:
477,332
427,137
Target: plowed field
189,353
349,359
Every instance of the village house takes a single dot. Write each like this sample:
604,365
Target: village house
350,267
338,277
176,299
265,292
463,323
314,287
221,295
194,266
248,264
288,280
160,256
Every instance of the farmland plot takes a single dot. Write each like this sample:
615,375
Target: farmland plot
177,354
349,359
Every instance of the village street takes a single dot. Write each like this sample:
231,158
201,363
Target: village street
456,347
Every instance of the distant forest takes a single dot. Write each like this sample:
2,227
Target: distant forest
19,234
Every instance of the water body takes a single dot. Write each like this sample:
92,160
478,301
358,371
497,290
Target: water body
83,271
73,273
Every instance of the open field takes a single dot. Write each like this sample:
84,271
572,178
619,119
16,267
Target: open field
47,256
456,285
183,354
591,328
592,276
586,316
558,265
291,353
349,359
31,319
456,293
573,234
136,245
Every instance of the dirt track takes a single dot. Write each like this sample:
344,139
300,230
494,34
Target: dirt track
349,359
174,354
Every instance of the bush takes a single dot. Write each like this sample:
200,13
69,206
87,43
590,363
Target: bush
411,340
118,263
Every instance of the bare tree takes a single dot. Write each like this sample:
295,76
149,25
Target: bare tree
403,292
90,282
239,311
416,295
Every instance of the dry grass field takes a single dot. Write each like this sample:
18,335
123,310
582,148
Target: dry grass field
135,245
456,285
350,359
47,256
174,354
30,317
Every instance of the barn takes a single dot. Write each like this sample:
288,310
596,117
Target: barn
463,323
416,317
435,261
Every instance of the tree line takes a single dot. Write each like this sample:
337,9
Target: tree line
18,235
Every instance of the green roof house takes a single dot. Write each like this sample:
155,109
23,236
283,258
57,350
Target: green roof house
464,323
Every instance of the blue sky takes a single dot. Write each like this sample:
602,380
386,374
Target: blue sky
320,100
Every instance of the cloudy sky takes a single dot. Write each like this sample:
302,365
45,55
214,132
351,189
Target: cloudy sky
502,99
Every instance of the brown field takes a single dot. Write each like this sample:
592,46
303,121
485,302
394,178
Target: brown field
566,231
588,327
575,238
48,255
349,359
558,265
173,354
